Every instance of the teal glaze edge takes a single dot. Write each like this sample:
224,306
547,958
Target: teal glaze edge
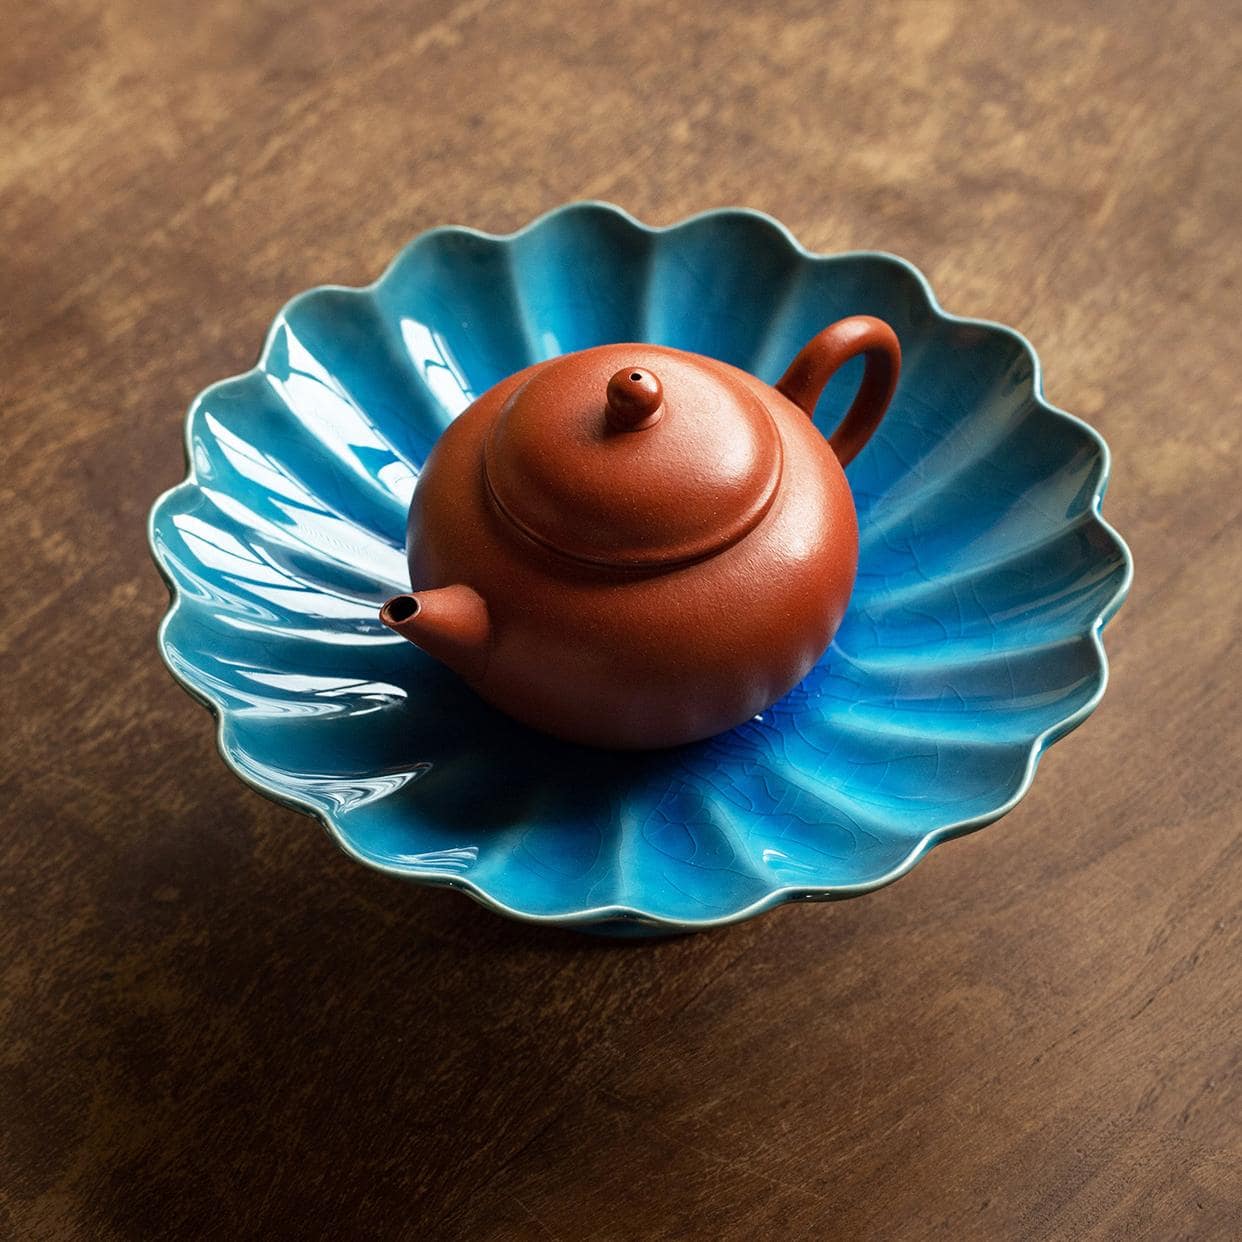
627,915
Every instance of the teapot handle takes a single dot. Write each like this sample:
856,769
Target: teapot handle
827,351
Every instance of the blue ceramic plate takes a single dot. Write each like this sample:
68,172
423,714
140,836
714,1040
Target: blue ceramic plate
971,644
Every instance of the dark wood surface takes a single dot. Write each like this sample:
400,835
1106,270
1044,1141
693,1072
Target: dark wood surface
212,1024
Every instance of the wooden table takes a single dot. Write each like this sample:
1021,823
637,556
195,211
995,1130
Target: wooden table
215,1026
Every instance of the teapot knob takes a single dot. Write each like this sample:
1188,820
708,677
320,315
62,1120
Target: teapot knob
635,400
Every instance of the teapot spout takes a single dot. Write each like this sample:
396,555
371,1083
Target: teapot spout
451,624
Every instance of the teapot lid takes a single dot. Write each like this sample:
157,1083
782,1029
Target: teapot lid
633,456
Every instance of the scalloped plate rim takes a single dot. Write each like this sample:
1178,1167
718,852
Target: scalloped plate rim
588,917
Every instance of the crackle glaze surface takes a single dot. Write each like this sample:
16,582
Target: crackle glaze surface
972,641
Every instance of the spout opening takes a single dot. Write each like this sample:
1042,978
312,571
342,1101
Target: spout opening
399,609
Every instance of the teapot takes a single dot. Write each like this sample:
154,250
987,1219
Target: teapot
633,546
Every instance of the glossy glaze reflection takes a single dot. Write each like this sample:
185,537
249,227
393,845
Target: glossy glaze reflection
972,640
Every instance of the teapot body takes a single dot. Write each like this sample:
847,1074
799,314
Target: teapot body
645,655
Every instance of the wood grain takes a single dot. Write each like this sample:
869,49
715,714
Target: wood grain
214,1026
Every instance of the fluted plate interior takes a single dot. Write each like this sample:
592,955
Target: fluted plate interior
972,641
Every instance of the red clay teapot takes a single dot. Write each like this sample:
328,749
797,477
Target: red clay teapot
633,546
